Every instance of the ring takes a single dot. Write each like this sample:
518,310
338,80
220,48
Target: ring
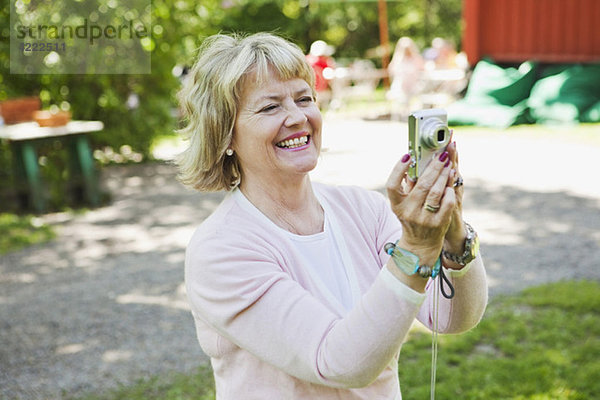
459,181
431,208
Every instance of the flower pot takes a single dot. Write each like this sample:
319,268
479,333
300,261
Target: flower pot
49,118
19,110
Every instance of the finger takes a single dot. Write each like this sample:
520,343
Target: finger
452,176
410,184
430,176
453,154
398,174
437,190
447,205
457,181
459,190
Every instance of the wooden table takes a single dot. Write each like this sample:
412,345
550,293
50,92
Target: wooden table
24,138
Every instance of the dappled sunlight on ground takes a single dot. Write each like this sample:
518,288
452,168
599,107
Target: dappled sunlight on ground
105,299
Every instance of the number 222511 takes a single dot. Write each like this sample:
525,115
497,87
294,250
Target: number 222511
43,47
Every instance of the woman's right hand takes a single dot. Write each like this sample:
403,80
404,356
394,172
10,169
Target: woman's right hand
423,227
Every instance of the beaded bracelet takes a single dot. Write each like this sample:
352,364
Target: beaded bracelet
408,263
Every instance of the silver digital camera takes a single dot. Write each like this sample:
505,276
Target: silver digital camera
428,136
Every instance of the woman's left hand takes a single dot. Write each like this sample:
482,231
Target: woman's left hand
455,236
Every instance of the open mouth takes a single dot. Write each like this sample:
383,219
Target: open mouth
294,143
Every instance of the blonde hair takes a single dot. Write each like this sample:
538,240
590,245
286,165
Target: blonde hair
210,97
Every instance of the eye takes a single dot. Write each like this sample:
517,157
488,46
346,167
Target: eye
305,99
268,108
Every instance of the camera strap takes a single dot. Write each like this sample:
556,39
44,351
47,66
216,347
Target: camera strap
438,287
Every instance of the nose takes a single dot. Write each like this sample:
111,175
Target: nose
296,115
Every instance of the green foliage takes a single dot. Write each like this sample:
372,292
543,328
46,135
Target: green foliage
21,231
353,26
104,96
179,26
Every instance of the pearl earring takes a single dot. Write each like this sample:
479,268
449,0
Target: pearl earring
229,152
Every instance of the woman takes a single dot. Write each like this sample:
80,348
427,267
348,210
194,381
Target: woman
405,70
291,288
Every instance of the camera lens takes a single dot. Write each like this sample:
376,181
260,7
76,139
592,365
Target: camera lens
441,135
434,134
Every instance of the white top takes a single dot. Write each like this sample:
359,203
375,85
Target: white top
321,255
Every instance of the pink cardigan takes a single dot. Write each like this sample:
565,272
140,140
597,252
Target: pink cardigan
270,330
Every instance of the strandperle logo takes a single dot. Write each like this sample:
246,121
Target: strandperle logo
81,36
89,31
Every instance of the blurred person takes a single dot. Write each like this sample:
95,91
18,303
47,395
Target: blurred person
405,71
291,288
441,55
446,72
319,58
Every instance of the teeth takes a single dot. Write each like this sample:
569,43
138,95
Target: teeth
292,143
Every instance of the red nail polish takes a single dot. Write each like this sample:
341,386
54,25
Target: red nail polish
405,158
444,156
447,163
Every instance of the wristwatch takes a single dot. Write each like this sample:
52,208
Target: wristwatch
408,262
471,248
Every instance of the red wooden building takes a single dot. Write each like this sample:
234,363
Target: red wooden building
513,31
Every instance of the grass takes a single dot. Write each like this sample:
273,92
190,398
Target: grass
21,231
539,345
177,386
542,344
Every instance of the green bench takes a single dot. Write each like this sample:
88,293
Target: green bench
24,139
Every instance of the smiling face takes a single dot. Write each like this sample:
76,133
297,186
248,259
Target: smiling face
277,132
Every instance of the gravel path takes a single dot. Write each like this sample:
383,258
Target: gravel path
103,304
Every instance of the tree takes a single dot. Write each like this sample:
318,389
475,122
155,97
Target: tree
178,27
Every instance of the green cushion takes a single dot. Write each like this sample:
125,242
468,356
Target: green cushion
592,114
506,86
566,94
500,97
